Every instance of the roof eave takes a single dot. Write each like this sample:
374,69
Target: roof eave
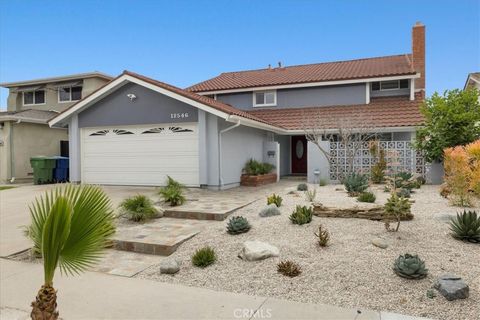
56,79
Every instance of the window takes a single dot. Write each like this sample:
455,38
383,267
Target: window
264,98
67,94
390,85
33,97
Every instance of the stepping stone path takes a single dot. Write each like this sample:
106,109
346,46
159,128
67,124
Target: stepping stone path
452,287
379,242
169,266
258,250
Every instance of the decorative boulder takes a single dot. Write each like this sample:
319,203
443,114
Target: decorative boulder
169,266
452,287
379,242
270,210
257,250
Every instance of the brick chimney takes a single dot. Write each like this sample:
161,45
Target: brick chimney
418,54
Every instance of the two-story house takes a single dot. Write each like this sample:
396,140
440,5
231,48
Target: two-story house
24,131
136,130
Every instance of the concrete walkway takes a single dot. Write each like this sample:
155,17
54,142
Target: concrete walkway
99,296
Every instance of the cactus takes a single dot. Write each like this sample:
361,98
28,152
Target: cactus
410,267
237,225
275,199
466,226
301,215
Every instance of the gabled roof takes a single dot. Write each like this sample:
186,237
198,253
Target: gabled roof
222,108
385,112
57,79
320,72
472,78
29,115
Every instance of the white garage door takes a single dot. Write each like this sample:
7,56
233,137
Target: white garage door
140,155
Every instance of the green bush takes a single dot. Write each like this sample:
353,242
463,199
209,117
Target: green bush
355,183
276,199
237,225
302,187
323,182
138,208
366,197
255,168
173,195
466,226
204,257
301,215
171,183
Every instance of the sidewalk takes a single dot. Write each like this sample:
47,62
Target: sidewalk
99,296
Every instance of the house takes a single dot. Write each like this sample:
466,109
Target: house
136,130
473,81
24,131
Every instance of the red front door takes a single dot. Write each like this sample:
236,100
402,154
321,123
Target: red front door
299,155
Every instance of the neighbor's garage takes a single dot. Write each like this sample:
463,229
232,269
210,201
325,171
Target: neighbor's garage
140,155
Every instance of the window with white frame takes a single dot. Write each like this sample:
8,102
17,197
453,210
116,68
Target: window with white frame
390,85
68,94
33,97
265,98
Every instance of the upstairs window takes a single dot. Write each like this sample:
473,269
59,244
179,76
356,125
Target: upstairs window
33,97
390,85
69,94
264,98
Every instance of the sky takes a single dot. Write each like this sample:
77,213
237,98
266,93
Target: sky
185,42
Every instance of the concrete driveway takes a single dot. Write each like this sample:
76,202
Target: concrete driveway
14,213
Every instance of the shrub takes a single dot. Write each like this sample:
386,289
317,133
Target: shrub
173,195
323,236
301,215
377,173
311,195
138,208
397,207
473,151
355,183
458,175
289,268
237,225
172,183
204,257
255,168
270,210
323,182
410,267
466,226
302,187
366,197
275,199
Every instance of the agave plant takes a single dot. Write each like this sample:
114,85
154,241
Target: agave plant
466,226
410,267
301,215
276,199
237,225
71,226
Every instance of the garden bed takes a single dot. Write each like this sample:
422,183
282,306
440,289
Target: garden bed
258,180
351,272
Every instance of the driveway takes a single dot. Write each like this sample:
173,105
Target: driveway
14,213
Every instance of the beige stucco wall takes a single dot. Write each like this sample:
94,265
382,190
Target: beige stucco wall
28,140
15,100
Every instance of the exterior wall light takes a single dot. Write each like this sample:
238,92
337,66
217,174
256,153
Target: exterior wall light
131,96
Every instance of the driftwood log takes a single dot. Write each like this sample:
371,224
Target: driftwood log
373,213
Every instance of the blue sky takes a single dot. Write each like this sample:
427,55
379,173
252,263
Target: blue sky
184,42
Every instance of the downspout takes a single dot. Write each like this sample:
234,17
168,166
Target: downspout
220,167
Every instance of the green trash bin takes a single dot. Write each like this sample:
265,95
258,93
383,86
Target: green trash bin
42,169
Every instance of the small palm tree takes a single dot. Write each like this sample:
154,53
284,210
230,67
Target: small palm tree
70,228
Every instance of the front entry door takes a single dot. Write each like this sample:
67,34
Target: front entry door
299,155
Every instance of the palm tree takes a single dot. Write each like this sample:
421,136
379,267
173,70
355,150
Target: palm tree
70,228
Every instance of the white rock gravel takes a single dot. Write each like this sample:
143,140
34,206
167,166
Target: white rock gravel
351,272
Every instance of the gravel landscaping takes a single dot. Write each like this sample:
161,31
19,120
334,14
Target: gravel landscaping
351,271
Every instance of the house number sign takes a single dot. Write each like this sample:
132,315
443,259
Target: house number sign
178,115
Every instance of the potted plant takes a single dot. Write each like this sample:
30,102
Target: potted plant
257,173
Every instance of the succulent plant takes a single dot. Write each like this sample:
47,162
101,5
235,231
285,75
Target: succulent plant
204,257
397,207
270,210
355,183
366,197
301,215
302,187
323,236
275,199
410,267
289,268
466,226
404,192
237,225
311,194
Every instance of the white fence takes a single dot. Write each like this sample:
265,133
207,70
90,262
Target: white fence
407,158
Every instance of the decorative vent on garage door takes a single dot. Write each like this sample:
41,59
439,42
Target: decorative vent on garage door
153,130
100,133
170,130
179,129
120,132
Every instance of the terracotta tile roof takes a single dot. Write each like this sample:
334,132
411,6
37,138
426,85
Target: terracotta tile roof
329,71
381,112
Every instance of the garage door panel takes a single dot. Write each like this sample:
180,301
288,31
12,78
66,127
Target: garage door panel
128,156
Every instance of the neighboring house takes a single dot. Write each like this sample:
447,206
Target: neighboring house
24,131
136,130
473,81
